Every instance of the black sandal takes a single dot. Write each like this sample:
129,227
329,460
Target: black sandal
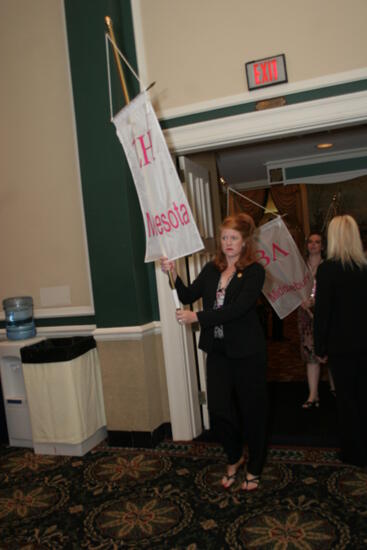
311,404
228,480
255,480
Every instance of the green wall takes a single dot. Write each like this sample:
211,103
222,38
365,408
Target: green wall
123,286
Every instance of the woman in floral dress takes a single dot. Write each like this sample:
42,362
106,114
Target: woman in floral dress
305,326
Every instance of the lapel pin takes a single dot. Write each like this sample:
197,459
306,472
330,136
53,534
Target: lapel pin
239,275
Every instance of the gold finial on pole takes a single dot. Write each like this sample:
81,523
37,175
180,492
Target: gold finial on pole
108,21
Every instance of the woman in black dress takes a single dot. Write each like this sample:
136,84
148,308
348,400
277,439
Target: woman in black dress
232,337
340,331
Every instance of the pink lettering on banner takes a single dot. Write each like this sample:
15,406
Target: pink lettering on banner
264,257
276,247
167,221
142,148
277,293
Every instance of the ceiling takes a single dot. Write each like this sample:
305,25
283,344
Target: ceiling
244,166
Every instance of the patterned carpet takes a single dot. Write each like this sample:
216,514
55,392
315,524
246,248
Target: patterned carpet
171,498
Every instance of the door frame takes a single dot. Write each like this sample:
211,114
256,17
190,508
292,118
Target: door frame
311,116
323,114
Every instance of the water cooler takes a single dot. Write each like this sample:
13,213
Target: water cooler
14,392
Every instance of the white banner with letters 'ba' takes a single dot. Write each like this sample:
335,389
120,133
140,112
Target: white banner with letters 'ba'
170,228
288,281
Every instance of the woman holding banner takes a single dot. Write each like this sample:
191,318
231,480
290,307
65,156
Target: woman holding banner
340,329
233,339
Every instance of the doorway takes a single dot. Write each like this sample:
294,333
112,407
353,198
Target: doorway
217,135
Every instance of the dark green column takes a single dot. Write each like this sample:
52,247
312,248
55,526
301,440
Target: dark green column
123,285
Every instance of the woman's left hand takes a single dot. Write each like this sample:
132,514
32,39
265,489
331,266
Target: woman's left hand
186,317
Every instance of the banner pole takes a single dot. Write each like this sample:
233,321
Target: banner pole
171,281
108,22
174,291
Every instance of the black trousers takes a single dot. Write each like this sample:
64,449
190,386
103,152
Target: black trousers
349,371
237,401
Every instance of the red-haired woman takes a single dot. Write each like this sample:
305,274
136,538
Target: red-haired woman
232,337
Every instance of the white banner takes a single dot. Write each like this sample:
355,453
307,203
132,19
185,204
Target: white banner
169,224
288,281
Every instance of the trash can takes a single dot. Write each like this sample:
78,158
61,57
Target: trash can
64,392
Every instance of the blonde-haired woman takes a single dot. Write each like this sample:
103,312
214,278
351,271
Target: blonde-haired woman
340,331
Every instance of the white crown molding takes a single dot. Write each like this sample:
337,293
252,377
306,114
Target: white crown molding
316,159
328,178
324,158
264,93
331,112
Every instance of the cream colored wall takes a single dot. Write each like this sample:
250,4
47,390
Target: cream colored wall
134,384
196,50
39,178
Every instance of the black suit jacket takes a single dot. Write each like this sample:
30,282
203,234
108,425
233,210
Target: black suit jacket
243,334
340,319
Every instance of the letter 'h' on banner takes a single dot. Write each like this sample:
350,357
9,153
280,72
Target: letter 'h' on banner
170,228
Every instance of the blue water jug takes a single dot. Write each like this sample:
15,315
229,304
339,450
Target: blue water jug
19,322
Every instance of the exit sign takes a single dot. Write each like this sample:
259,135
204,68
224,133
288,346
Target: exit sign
266,72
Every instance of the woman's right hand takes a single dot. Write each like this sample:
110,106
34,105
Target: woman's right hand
167,266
